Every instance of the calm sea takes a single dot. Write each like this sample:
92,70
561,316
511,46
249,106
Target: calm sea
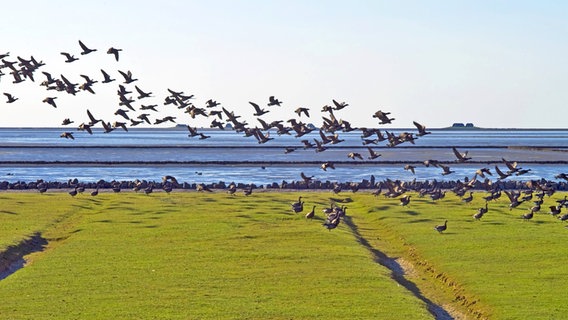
29,154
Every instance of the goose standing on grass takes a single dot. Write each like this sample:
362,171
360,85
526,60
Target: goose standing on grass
311,214
469,198
555,210
528,215
95,192
480,212
441,228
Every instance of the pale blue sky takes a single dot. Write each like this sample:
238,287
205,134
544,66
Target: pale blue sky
493,63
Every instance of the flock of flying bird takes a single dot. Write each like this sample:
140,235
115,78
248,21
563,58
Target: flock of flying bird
129,114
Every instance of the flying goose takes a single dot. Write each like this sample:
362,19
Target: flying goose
301,110
421,129
10,97
51,101
354,155
66,121
461,157
142,94
67,135
114,51
410,168
107,78
70,58
373,154
339,105
383,117
127,76
273,101
85,49
258,111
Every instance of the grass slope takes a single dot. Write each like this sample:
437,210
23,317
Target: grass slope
191,255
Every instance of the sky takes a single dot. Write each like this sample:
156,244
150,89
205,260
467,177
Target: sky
496,64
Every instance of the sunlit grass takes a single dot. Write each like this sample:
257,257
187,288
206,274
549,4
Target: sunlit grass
192,255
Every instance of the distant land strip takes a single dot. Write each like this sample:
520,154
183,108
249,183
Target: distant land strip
55,146
259,163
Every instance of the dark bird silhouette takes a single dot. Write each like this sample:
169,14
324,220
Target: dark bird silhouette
339,105
85,49
306,179
95,192
462,157
67,135
51,101
70,58
383,117
127,76
10,98
441,228
446,169
142,94
66,121
273,101
354,155
421,129
122,113
480,212
327,165
527,216
258,111
92,120
114,52
311,214
404,201
107,78
301,110
469,198
410,168
372,154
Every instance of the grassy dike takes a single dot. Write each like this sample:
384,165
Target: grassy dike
216,256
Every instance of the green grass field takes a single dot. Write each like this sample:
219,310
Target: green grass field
192,255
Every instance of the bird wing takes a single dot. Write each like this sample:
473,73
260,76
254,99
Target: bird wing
83,46
457,153
256,107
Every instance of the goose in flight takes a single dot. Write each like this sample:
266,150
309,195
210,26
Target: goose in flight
410,168
462,157
446,169
66,121
339,105
373,155
114,51
85,127
70,58
421,129
144,117
107,77
10,98
354,155
50,101
383,116
258,111
85,49
327,165
301,110
142,94
67,135
127,76
272,101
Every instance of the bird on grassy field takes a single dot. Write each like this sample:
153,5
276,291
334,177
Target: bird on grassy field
248,192
73,192
469,198
528,215
232,189
404,201
95,192
555,210
311,214
441,228
480,212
